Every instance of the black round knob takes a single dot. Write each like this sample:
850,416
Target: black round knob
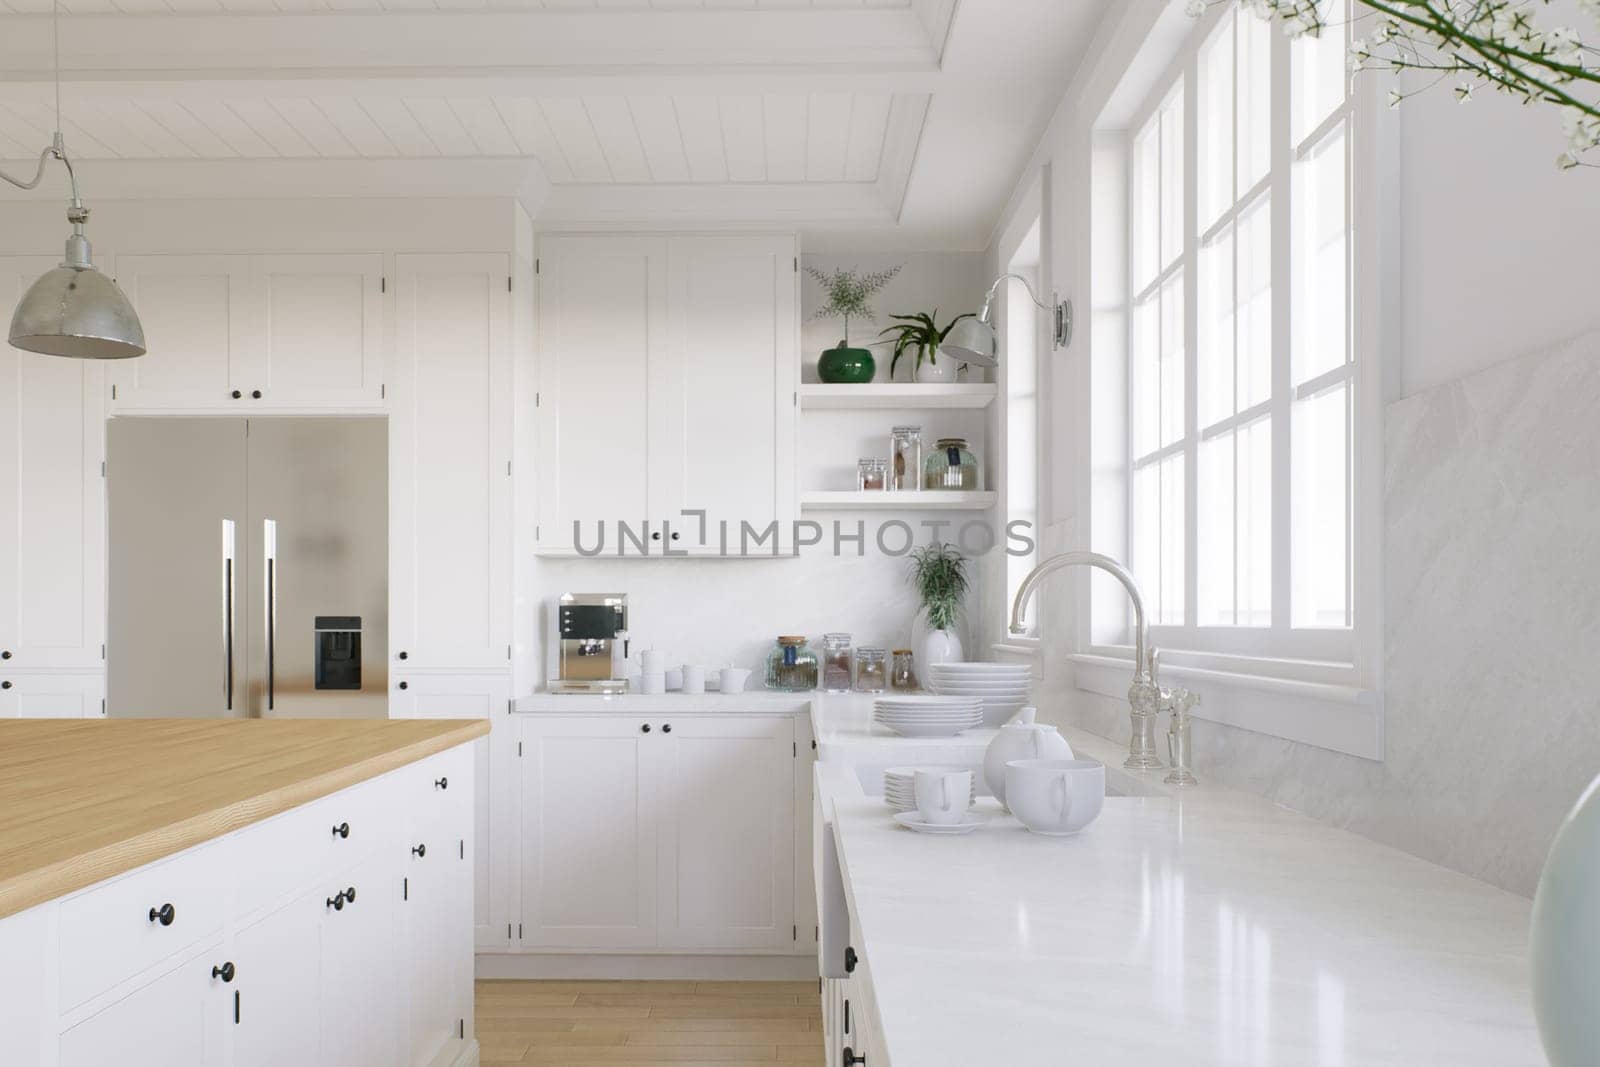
666,728
645,728
5,685
164,914
255,394
350,895
420,851
850,960
405,655
225,972
850,1057
237,394
336,902
674,537
342,830
656,536
443,783
6,654
405,685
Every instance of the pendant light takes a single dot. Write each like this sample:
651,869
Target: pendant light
73,310
974,341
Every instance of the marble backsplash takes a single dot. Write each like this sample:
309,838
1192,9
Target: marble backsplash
1492,604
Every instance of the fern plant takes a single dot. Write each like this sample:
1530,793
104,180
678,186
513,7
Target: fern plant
848,294
921,332
939,574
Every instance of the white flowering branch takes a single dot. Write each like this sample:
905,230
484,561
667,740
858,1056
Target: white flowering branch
1493,44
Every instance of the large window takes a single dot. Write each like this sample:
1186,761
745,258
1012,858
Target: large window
1241,362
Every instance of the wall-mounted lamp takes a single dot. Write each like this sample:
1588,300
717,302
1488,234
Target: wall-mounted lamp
974,341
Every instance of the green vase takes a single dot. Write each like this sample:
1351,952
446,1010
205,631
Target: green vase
847,366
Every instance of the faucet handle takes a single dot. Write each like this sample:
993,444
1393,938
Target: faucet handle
1178,700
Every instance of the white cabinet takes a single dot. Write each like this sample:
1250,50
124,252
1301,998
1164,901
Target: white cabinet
254,332
449,468
726,824
588,832
178,1018
669,832
667,371
276,960
357,964
51,696
52,567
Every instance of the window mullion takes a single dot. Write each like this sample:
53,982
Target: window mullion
1282,154
1233,297
1191,340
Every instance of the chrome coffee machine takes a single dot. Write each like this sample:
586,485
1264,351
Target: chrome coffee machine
589,643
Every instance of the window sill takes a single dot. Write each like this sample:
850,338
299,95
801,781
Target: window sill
1340,718
1017,647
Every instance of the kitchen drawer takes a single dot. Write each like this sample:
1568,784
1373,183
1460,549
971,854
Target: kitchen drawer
114,931
437,793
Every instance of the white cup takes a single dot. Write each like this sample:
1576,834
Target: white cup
1056,797
674,677
652,685
942,796
694,679
652,661
733,679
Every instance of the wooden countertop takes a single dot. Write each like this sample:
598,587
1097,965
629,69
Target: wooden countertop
85,800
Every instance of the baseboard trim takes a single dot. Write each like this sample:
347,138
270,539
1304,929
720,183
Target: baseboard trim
647,968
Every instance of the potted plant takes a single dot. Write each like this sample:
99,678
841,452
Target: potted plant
848,293
922,333
939,574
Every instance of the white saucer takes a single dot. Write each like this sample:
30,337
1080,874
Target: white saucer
910,821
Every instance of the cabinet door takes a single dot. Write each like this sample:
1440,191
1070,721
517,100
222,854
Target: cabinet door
52,539
276,983
588,832
726,859
728,444
51,696
358,965
450,451
435,904
196,312
602,376
320,343
178,1018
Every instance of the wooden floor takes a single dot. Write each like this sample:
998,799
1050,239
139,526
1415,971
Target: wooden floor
644,1023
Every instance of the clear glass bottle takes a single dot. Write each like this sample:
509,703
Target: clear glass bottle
791,666
836,663
872,670
905,458
872,474
951,465
903,672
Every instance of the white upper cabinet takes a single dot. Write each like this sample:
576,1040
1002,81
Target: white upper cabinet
52,560
254,332
449,468
667,370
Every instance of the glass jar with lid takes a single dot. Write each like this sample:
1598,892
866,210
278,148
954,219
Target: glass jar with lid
836,663
872,474
791,666
903,672
951,465
872,670
905,458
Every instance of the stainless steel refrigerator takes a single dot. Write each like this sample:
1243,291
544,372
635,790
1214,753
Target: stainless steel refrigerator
249,567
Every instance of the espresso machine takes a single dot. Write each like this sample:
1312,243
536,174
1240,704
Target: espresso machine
589,643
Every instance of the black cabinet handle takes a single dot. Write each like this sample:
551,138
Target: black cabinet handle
6,654
237,394
645,728
674,537
341,898
666,728
342,830
442,783
164,914
225,972
850,960
656,536
847,1015
5,685
255,394
850,1057
420,851
405,655
405,685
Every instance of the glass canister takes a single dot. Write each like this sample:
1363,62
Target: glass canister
836,663
791,666
903,672
905,457
950,465
872,670
872,474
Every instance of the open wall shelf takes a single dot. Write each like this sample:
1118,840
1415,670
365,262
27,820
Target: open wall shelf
888,396
877,500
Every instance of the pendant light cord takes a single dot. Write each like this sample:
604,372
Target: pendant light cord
57,147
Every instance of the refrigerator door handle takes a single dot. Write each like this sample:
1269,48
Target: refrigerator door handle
227,611
269,545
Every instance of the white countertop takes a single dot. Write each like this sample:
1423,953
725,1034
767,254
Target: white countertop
1203,927
751,702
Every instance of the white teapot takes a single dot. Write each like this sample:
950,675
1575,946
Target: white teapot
1021,738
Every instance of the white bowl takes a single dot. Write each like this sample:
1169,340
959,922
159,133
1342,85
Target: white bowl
1055,797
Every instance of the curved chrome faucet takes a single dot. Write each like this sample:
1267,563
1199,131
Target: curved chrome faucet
1145,698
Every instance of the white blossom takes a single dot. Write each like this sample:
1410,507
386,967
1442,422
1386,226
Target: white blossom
1464,92
1394,98
1195,8
1564,46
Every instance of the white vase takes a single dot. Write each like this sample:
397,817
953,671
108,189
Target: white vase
1564,946
942,372
938,646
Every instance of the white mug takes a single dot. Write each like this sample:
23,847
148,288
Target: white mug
942,796
694,679
652,661
652,684
1056,797
733,679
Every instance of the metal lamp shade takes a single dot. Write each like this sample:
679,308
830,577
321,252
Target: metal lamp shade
79,313
972,341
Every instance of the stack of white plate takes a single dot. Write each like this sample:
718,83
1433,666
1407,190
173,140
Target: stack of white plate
899,785
1002,688
928,716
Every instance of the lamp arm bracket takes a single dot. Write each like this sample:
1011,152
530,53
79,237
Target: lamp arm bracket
1025,284
56,149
